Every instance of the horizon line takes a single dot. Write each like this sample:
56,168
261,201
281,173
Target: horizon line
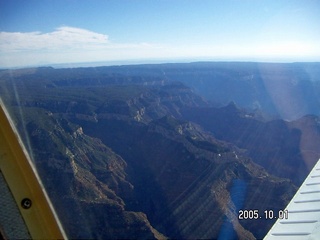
154,62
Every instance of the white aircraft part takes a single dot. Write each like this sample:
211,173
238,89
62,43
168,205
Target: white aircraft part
303,220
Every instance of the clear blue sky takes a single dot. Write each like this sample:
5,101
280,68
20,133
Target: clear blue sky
44,32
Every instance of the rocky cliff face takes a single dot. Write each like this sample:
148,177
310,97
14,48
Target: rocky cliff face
285,149
131,159
85,180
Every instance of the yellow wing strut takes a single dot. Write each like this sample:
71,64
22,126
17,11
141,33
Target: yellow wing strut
25,185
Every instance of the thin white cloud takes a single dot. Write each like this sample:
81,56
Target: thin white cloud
66,44
61,39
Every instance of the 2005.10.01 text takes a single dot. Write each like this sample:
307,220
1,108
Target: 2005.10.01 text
248,214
